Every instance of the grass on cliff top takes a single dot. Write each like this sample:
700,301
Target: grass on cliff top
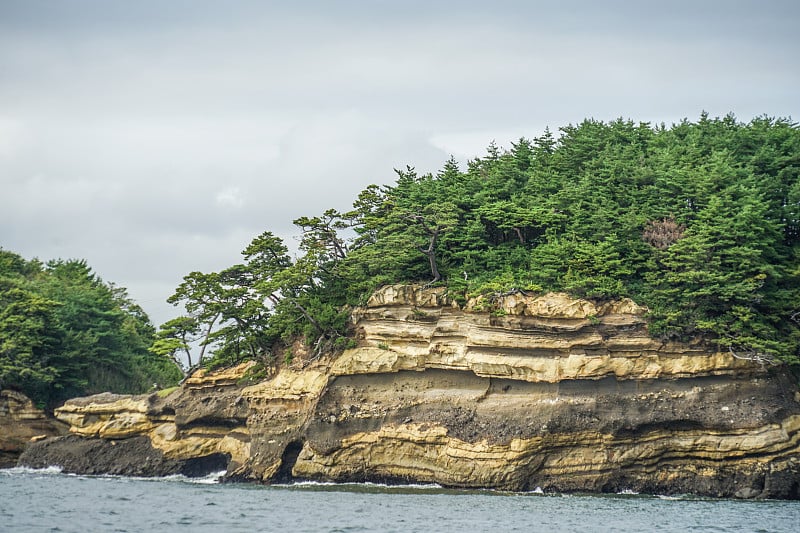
163,393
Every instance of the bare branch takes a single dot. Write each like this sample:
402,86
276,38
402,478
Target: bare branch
756,357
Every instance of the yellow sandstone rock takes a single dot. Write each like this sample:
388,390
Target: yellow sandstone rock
21,422
513,392
427,454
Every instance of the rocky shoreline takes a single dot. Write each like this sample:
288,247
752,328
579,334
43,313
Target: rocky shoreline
21,423
519,393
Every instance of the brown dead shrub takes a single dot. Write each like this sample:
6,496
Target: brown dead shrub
663,233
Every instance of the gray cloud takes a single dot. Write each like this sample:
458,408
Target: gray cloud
156,138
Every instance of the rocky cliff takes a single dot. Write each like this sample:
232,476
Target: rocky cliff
516,392
20,423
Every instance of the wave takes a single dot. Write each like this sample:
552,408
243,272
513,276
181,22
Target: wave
209,479
687,497
368,484
16,470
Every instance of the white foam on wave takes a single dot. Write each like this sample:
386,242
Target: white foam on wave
404,485
683,497
310,483
50,470
209,479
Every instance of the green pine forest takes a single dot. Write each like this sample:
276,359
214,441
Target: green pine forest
64,332
700,222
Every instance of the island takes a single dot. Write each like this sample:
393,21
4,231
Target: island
615,308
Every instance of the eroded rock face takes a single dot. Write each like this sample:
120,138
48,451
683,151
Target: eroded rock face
197,429
21,422
546,338
516,393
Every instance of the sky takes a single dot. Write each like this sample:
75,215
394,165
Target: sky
158,137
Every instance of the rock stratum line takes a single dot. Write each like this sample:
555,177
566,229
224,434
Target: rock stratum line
514,393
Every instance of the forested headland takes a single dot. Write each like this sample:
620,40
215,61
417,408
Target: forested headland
699,222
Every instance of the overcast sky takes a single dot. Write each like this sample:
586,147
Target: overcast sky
154,138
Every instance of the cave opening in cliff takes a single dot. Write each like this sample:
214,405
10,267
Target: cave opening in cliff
288,460
203,466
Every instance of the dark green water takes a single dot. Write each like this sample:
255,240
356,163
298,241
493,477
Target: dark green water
47,501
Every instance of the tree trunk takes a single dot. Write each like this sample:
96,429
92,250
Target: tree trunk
308,317
430,251
300,308
204,344
434,269
519,235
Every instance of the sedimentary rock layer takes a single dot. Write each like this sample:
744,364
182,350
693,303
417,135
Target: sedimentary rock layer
21,422
515,393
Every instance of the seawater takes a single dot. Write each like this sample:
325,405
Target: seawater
46,500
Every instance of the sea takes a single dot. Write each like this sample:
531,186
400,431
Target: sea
50,501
